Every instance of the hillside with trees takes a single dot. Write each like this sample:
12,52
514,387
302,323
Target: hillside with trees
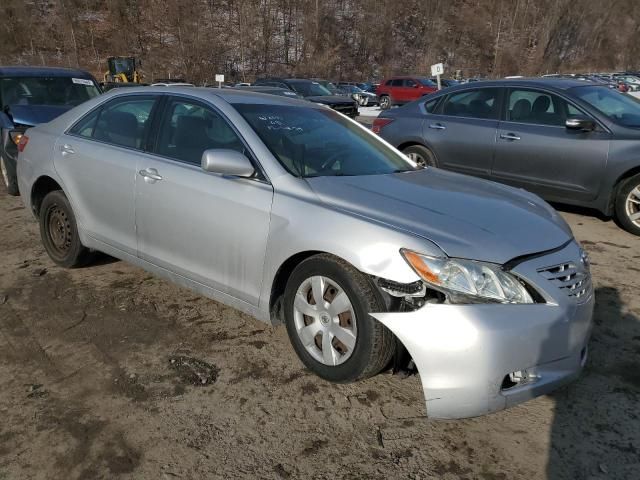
337,39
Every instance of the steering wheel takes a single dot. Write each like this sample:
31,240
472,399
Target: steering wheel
331,161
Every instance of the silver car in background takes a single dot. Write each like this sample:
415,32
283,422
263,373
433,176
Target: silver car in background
291,212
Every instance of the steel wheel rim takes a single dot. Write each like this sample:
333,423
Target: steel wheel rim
632,205
5,174
59,230
326,328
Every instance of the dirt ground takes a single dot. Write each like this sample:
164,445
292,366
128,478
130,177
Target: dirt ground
108,372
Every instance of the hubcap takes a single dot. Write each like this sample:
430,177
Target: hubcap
633,206
325,320
385,102
417,158
59,229
3,169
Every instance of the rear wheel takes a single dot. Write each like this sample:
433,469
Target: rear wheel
327,304
59,231
385,102
628,204
421,155
8,177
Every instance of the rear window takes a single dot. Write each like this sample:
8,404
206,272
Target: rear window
46,90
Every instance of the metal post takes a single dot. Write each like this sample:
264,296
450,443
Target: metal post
439,86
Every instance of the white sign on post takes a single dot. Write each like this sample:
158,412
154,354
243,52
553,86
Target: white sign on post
436,71
219,79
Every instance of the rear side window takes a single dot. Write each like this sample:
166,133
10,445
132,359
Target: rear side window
388,83
397,82
189,128
122,121
480,103
431,105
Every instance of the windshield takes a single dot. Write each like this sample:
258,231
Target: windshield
317,142
46,90
310,89
619,107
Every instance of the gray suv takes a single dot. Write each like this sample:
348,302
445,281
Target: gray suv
569,141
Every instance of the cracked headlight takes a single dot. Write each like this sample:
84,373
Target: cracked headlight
468,281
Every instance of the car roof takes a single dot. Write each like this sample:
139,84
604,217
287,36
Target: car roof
24,71
558,83
230,95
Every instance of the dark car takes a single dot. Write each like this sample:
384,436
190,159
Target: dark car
314,92
33,95
401,90
569,141
445,82
281,92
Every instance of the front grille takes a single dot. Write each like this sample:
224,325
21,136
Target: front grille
349,110
574,280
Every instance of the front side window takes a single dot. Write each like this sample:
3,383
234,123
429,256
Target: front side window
313,142
480,103
621,108
46,90
540,108
122,121
189,128
409,83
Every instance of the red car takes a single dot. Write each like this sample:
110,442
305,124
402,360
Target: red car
401,90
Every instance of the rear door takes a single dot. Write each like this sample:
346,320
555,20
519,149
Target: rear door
537,152
206,227
96,160
462,131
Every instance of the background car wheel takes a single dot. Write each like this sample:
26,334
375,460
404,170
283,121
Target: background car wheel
385,102
327,304
421,155
8,177
59,231
628,205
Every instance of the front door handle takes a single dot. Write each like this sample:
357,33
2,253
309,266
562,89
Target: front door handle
509,136
437,126
67,149
150,175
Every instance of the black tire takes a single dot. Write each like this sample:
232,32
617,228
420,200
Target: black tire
421,155
59,232
9,177
385,102
374,345
626,206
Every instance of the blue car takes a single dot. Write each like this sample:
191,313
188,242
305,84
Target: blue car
33,95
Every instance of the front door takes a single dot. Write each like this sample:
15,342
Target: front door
209,228
537,152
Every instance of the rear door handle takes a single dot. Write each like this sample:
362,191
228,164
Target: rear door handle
67,149
437,126
509,136
150,175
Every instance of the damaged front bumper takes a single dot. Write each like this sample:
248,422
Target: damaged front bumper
481,358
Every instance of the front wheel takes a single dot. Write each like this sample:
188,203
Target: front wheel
627,205
8,177
385,102
327,304
59,231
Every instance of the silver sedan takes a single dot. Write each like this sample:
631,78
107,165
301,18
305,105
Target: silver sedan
293,213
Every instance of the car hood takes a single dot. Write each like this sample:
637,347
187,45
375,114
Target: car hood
330,100
36,114
465,216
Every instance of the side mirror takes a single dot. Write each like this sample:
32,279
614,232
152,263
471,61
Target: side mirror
580,123
227,162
